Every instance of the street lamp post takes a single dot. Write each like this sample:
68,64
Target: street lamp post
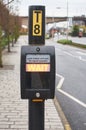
67,21
58,8
67,18
54,24
52,27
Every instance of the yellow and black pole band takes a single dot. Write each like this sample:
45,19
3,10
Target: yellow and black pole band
37,25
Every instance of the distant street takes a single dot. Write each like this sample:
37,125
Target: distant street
81,40
71,83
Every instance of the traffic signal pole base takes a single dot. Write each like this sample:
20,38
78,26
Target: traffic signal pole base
36,115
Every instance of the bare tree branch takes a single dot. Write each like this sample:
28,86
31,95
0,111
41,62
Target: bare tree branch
9,2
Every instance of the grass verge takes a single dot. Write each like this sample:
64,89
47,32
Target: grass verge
69,42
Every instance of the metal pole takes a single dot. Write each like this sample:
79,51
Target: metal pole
53,27
36,115
36,37
58,8
67,19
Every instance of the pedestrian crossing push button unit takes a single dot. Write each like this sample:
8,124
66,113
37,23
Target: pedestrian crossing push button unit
37,72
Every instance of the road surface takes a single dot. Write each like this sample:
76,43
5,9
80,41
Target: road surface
71,83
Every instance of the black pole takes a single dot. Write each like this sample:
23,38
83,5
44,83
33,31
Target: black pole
36,37
36,115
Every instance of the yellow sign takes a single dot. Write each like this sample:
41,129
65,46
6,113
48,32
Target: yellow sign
37,67
37,23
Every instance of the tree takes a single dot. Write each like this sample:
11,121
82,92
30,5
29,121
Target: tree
9,2
7,24
7,18
4,16
0,48
2,20
75,30
17,28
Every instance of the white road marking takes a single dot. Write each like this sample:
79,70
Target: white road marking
83,60
61,81
69,54
74,56
78,57
81,53
58,49
67,94
73,98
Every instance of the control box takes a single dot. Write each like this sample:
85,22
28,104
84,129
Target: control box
37,74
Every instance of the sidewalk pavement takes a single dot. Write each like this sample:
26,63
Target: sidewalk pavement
14,110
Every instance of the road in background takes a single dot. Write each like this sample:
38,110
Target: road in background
81,40
71,83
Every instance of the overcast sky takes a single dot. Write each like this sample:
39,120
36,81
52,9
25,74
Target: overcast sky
75,7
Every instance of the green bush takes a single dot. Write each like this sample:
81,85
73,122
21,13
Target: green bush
4,42
47,36
64,41
69,42
75,30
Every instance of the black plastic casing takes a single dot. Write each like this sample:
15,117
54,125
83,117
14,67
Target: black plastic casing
33,83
